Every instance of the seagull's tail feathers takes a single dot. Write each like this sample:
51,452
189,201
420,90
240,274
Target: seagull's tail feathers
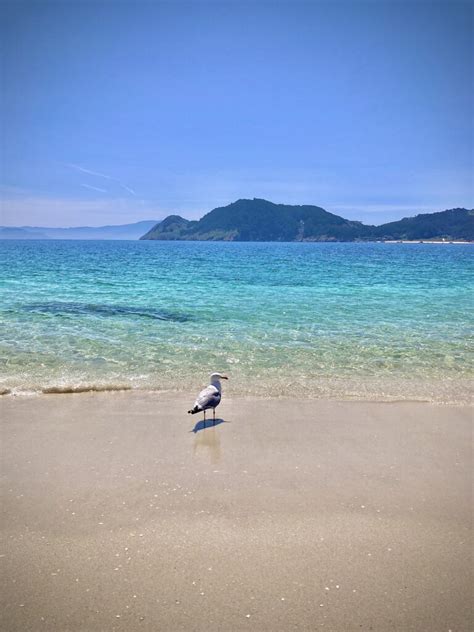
194,410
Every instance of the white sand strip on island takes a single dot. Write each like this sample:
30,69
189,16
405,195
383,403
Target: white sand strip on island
289,516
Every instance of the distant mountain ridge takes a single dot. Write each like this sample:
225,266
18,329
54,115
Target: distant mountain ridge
261,220
120,231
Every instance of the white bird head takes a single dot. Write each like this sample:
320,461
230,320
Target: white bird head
216,377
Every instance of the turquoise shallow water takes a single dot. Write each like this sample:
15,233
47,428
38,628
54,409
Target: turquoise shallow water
363,321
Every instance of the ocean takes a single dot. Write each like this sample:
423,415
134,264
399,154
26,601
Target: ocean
298,320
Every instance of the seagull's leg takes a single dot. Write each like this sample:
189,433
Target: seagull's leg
214,414
204,411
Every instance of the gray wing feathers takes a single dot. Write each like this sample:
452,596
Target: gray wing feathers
208,398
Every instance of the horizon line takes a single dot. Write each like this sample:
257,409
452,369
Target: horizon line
157,221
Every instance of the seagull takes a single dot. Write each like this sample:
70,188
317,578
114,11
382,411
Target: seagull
209,397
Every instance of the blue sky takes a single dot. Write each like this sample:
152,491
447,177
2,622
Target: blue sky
115,112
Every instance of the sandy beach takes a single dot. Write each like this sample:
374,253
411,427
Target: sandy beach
287,515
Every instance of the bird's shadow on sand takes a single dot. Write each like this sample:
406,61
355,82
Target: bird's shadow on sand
209,423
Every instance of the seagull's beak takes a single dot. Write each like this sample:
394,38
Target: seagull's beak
224,377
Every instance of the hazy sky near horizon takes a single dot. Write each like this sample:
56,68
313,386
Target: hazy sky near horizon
115,112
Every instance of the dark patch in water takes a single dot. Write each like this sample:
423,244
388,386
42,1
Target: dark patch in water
59,309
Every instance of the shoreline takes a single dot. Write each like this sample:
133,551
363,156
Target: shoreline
443,392
230,241
164,396
125,513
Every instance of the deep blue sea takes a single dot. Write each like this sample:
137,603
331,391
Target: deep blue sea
344,321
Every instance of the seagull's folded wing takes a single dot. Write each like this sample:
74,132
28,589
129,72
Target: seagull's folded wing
208,397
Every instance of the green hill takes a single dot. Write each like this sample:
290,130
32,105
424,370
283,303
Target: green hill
260,220
172,227
456,223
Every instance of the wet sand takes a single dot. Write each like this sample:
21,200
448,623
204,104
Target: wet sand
286,516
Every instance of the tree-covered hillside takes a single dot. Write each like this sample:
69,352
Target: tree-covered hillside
260,220
456,223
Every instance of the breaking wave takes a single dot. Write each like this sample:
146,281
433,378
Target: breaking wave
86,388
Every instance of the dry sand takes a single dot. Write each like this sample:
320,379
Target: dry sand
288,516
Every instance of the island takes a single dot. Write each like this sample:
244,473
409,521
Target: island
261,220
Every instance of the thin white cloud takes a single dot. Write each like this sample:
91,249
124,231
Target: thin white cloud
124,186
97,174
92,188
89,171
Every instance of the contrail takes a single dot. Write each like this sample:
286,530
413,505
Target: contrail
99,175
124,186
88,171
89,186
